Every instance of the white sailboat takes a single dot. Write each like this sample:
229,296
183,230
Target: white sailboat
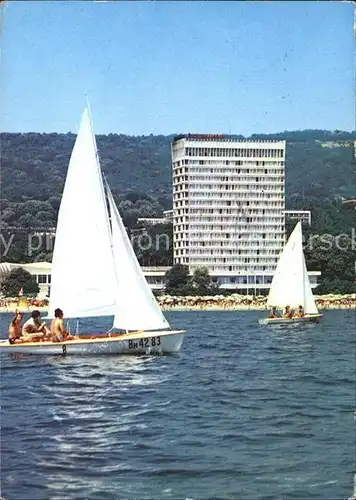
95,271
290,284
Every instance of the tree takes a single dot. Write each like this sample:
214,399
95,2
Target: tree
201,282
154,247
335,257
177,279
19,278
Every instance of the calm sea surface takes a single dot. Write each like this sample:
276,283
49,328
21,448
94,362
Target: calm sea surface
243,412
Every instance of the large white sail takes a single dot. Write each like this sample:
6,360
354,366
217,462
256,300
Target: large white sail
290,284
136,306
83,281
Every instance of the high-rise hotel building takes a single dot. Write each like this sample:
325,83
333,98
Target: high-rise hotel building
228,206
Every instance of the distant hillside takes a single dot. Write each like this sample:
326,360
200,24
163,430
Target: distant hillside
34,165
319,164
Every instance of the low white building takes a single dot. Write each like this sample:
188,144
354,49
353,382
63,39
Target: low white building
248,283
151,221
41,271
168,215
302,215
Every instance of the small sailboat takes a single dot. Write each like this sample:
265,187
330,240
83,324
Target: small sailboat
95,271
290,284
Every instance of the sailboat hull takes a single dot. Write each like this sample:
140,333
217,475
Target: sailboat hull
308,318
162,342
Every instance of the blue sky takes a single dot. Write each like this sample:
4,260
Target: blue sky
172,67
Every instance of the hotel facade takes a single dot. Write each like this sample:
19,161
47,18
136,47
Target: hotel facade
229,207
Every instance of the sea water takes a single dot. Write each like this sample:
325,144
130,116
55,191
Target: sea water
245,411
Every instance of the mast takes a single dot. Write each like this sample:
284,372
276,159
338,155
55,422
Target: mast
98,162
305,274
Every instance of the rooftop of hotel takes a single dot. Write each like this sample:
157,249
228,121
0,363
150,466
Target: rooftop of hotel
221,138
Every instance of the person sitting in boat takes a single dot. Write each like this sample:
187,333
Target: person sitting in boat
299,313
287,312
274,313
15,328
34,327
58,332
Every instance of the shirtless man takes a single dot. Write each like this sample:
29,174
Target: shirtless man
274,313
34,327
299,313
287,312
58,332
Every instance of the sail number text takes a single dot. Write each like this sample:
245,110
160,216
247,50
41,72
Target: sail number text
147,342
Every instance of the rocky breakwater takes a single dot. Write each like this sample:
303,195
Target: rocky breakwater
245,302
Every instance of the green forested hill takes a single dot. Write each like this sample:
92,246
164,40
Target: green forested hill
34,165
320,171
320,165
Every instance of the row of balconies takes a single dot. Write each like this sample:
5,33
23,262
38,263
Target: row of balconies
217,174
233,166
256,187
259,194
234,238
237,266
236,177
240,230
228,199
229,164
278,182
240,216
234,229
238,219
235,269
219,238
236,254
233,250
230,160
228,203
227,154
204,205
252,189
196,238
229,213
264,200
221,184
257,241
225,226
236,262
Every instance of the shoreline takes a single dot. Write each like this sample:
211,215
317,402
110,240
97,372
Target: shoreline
214,303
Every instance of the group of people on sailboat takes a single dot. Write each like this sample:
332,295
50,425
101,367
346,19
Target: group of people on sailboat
35,329
288,313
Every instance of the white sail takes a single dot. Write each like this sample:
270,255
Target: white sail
136,306
83,282
309,301
290,284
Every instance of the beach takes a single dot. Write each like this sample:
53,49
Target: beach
237,302
233,302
